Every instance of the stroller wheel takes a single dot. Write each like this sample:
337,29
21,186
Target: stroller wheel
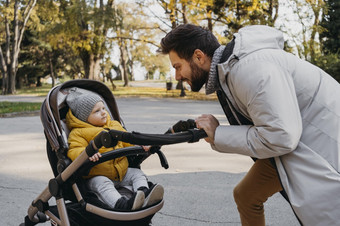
41,216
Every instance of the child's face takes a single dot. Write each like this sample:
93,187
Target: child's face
98,115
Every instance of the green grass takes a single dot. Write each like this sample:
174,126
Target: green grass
120,91
10,107
35,91
159,93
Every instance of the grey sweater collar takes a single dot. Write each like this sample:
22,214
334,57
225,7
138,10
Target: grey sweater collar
212,84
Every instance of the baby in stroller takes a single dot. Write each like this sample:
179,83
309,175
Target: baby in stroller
86,118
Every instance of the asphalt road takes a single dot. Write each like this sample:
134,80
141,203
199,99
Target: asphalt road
198,185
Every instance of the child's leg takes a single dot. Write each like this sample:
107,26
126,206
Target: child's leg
105,190
136,178
139,182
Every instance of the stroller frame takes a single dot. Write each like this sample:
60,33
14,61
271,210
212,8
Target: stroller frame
67,173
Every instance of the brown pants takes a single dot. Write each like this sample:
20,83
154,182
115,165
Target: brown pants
255,188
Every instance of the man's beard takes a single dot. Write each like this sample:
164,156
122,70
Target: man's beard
198,77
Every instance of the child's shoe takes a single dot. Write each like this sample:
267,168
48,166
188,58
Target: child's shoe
152,195
134,203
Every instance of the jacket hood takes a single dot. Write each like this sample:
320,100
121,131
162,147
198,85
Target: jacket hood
256,37
73,122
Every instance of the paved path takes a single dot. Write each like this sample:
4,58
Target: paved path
198,184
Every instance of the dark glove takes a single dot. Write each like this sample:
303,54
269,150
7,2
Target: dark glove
181,126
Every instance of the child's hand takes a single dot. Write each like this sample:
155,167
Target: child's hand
146,148
95,157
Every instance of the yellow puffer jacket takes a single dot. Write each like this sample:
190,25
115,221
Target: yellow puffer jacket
80,136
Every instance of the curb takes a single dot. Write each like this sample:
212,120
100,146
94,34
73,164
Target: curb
20,114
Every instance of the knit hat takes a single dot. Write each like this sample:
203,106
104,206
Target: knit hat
81,102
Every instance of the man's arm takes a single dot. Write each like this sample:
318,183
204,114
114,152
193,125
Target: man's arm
268,96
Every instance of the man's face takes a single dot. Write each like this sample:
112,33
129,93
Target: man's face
188,72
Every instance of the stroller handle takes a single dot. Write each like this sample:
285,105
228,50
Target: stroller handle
190,136
102,139
182,131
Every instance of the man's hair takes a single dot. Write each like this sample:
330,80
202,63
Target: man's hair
186,38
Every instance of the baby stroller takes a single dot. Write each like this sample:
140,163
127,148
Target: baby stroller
75,205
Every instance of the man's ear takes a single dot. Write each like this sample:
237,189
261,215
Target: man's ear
199,57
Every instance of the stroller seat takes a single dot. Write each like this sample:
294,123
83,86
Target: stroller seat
74,204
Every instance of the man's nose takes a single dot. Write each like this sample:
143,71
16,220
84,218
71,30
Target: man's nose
178,77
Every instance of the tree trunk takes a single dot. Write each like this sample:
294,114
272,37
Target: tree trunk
91,65
317,9
172,7
52,71
129,65
173,14
184,9
123,64
209,18
19,82
109,77
9,62
11,80
3,68
132,72
94,67
39,84
85,58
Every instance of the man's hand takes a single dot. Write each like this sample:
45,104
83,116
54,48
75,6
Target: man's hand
209,124
95,157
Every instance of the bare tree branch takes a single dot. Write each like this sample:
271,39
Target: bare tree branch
26,16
